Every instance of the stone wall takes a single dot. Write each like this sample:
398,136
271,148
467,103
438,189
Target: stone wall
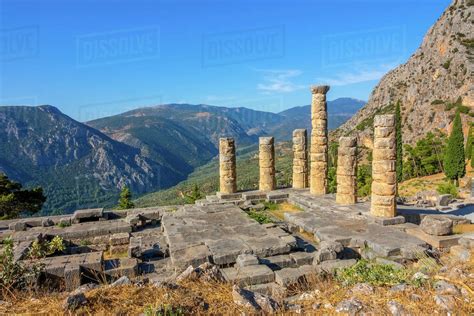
267,180
384,178
319,141
347,171
300,159
227,170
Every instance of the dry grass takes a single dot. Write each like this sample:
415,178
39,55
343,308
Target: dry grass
463,228
283,208
413,186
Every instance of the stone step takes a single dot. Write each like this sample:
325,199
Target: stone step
249,275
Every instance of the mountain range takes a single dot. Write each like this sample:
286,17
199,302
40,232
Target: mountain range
82,165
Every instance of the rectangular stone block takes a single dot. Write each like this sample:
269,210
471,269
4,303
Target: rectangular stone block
249,275
292,276
302,258
278,262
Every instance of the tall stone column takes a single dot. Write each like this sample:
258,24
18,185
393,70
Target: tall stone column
347,171
319,141
384,176
266,160
300,159
227,170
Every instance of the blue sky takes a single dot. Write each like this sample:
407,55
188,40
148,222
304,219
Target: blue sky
99,58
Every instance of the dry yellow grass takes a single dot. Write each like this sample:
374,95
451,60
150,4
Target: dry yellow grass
413,186
283,208
463,228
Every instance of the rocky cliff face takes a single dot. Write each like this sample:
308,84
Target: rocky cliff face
437,80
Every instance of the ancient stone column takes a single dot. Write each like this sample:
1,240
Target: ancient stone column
300,159
227,173
347,171
267,164
384,177
319,141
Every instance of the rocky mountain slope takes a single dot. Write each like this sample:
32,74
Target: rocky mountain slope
437,80
147,149
76,165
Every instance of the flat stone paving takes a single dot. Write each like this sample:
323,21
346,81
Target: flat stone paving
350,225
219,233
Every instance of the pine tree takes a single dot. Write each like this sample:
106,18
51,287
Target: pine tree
399,144
15,200
454,161
125,201
469,144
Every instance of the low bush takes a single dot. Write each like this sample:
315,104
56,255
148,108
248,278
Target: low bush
260,217
447,188
373,273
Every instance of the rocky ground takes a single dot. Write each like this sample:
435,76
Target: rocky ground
445,285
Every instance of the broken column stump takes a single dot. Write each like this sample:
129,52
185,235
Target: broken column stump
227,163
266,162
300,159
347,171
384,183
319,141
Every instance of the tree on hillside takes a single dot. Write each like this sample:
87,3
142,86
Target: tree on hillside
454,160
125,200
15,200
194,195
398,131
469,145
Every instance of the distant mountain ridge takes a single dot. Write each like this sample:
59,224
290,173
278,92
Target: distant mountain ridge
85,164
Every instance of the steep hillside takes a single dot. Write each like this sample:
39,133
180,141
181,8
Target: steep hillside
437,80
76,165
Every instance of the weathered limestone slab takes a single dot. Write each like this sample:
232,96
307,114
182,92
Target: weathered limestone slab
292,276
254,196
248,275
278,262
267,181
194,256
302,258
384,184
347,171
330,267
226,251
433,240
300,159
227,166
87,215
319,141
122,267
119,239
244,260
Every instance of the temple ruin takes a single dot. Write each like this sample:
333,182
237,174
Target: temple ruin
157,244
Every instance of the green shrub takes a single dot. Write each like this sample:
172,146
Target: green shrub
260,217
46,248
373,273
447,188
13,274
270,206
437,101
64,224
